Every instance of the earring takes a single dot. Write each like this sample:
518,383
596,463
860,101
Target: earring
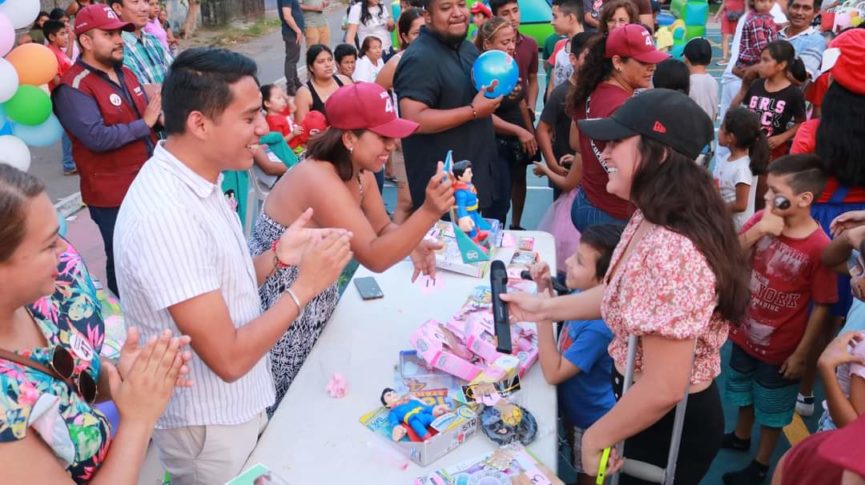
350,149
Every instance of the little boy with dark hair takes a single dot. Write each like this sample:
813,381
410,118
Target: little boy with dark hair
776,336
579,363
704,87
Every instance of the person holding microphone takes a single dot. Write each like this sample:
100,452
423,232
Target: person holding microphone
676,280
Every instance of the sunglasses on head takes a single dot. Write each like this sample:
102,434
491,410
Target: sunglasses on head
63,364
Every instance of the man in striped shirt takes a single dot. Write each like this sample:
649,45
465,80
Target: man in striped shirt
183,264
145,55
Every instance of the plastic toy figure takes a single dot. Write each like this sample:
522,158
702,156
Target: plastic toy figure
411,412
468,218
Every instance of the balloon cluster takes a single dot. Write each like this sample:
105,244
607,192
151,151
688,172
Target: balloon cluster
26,116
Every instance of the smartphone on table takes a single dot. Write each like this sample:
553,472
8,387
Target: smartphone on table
368,288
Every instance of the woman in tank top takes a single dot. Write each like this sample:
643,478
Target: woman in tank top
323,81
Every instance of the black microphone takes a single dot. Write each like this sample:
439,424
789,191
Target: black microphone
558,287
499,285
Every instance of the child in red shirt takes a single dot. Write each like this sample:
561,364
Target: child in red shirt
279,110
771,345
57,37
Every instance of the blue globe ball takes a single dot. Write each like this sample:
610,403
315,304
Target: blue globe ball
495,65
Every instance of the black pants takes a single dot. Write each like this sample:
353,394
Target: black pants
702,435
501,186
105,217
292,57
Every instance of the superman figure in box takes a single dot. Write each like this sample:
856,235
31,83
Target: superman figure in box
407,411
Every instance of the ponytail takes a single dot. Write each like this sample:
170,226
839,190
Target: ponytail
744,125
783,51
596,68
759,153
797,69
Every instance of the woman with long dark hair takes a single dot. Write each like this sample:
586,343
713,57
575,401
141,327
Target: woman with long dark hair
616,64
370,17
323,81
676,280
336,181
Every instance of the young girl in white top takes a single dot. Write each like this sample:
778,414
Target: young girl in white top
736,174
370,61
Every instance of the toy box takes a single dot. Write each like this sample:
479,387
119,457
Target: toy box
509,464
452,430
449,258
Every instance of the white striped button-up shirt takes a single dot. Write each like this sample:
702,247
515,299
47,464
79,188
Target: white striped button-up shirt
176,238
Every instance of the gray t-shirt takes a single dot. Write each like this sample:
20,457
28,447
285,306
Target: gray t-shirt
704,91
313,19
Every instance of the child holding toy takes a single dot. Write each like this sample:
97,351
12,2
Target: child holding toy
279,109
788,279
580,365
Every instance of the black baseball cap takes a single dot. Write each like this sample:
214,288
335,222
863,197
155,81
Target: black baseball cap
664,115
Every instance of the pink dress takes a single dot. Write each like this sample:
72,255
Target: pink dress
666,288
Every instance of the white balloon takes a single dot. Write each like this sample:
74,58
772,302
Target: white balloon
21,13
14,152
7,35
8,80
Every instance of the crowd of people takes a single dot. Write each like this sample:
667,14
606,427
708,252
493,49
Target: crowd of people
684,237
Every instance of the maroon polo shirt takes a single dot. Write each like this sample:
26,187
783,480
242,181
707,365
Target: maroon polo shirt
526,55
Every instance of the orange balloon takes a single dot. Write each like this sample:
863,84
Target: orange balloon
35,63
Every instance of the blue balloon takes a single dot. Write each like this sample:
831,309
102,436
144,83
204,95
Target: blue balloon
108,409
41,135
5,128
665,19
495,65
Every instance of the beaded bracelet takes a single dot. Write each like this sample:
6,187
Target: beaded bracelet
277,264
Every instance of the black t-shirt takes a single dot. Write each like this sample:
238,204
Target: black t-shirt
776,110
555,116
439,76
509,110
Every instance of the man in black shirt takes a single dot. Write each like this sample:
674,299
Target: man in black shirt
434,86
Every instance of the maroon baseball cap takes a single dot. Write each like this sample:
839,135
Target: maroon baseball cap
366,106
99,16
844,448
635,42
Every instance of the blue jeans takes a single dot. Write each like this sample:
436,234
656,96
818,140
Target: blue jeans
66,144
584,214
105,217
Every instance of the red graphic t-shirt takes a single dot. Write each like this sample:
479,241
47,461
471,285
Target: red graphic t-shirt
786,277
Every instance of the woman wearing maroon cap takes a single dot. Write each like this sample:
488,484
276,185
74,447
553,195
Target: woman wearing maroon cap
616,64
336,181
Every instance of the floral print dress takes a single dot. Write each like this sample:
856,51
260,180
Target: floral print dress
76,432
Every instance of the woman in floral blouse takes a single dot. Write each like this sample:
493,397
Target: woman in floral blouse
675,280
50,432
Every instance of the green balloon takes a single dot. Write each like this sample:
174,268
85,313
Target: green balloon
29,106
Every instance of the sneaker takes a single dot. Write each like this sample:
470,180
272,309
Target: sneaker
733,442
73,171
804,405
722,62
753,474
